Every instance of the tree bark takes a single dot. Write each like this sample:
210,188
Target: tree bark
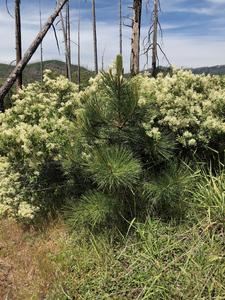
19,80
29,53
41,45
155,38
78,53
95,36
65,37
135,40
121,27
68,37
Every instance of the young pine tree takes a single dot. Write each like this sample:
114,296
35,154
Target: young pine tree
118,152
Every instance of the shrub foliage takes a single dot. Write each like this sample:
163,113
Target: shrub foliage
116,140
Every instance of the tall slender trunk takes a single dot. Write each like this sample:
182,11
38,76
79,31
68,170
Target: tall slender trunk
41,45
95,36
135,40
78,53
121,27
155,38
4,89
64,30
19,80
68,37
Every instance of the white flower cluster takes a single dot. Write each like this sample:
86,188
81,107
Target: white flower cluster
26,210
10,185
191,106
38,128
94,87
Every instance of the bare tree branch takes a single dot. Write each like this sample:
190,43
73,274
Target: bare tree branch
29,53
7,8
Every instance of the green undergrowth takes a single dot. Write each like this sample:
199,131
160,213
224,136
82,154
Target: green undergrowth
156,260
153,260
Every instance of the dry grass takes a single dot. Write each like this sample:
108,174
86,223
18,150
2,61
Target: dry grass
26,271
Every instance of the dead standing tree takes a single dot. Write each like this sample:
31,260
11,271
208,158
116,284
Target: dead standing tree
29,53
151,41
65,37
78,52
95,36
135,40
121,27
155,37
68,32
19,80
41,45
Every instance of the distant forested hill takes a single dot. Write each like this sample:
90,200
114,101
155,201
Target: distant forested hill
32,71
215,70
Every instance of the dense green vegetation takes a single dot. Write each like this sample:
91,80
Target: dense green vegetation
135,167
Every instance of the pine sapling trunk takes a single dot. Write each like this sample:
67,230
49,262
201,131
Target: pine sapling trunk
135,40
95,36
19,80
155,36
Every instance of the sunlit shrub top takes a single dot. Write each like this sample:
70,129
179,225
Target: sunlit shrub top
191,106
40,123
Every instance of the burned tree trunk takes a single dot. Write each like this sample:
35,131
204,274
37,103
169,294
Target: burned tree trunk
155,36
95,37
65,37
68,37
135,40
121,27
78,54
19,80
41,45
151,41
29,53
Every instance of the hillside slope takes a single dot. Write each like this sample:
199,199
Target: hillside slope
32,71
214,70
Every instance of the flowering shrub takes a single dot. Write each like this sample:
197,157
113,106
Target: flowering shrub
35,135
191,106
117,136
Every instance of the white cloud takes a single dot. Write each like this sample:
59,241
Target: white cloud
180,49
217,1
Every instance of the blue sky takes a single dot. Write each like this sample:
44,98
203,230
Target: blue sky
193,31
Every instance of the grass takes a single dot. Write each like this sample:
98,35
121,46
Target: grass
158,261
155,260
152,261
